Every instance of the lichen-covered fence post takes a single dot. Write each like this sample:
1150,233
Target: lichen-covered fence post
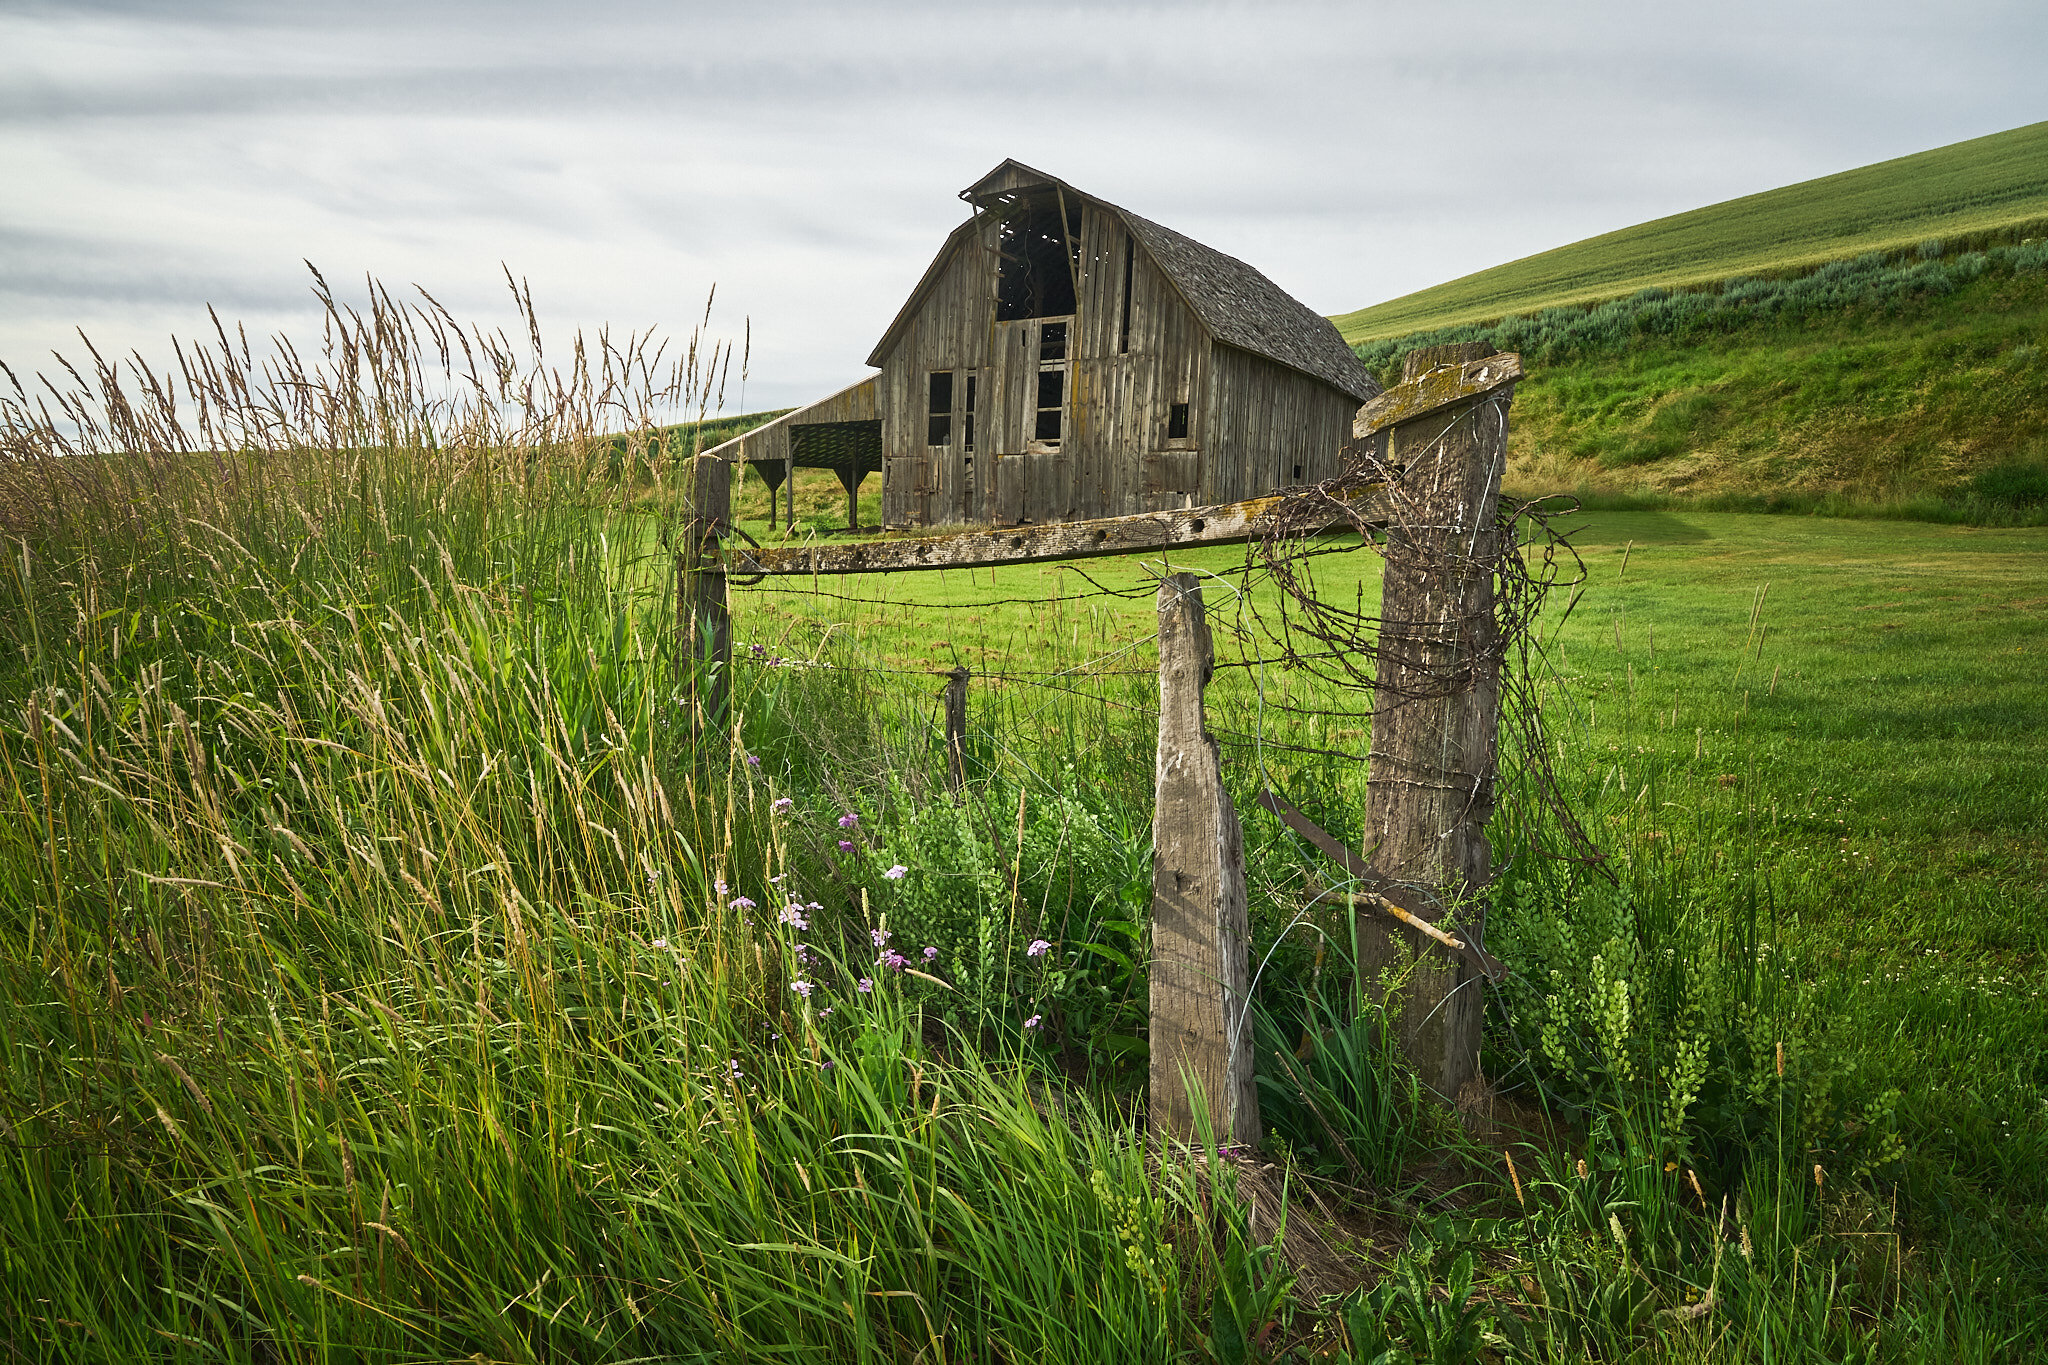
1200,1029
1436,703
704,626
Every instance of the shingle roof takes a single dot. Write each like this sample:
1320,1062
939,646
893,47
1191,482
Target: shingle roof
1242,308
1237,304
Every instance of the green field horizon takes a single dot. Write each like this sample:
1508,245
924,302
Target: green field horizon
1987,188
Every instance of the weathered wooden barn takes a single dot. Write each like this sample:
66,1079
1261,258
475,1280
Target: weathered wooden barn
1064,358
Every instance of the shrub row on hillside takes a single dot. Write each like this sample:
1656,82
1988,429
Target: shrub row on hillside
1871,281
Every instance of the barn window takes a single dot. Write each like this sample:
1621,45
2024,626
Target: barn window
1297,473
1052,402
967,417
1177,422
1035,271
939,409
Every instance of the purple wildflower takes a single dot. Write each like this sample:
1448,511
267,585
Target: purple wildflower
793,915
879,937
739,903
1032,1022
846,846
895,874
849,821
802,988
781,804
1038,948
753,760
660,943
894,960
865,986
931,954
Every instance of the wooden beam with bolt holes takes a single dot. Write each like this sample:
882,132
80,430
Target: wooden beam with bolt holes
1226,524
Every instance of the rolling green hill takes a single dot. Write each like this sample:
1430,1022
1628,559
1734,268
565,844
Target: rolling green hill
1989,188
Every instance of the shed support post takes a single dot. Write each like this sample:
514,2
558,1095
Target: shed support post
1201,1025
956,728
1435,725
705,627
851,479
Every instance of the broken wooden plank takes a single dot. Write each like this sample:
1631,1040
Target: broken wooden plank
1421,908
1200,971
1443,387
1228,524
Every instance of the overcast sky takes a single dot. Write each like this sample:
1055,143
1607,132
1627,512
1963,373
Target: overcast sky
623,158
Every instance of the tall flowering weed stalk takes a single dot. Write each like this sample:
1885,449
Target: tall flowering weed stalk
1679,1014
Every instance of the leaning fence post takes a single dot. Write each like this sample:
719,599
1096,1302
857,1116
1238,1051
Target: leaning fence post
705,627
1436,700
1201,1029
956,727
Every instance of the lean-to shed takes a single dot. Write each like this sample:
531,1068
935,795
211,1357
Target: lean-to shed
1064,358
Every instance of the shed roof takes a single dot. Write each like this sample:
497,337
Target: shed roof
1234,301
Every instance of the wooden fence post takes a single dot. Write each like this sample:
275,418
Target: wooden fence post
700,590
1436,706
956,727
1201,1026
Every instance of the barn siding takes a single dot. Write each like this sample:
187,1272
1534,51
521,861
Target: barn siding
1267,421
1251,420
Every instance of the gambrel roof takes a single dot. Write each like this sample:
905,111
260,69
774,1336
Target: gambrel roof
1235,302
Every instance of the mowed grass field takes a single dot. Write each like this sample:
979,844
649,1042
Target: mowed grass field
1849,713
1988,185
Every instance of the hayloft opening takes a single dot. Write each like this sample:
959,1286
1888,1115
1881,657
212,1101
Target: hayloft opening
1034,249
1123,344
1176,422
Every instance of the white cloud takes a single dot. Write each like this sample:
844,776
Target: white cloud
806,158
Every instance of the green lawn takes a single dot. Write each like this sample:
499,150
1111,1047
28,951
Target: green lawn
1986,186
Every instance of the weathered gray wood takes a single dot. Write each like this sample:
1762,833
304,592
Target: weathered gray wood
1435,390
1225,525
705,626
1436,708
1200,972
956,728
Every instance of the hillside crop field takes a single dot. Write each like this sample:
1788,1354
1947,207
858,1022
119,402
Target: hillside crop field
1989,187
397,962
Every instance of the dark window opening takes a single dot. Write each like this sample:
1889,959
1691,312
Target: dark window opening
939,409
1177,422
967,419
1123,345
1052,342
1052,401
1035,274
1297,473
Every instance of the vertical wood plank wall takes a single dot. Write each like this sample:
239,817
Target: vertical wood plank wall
1251,421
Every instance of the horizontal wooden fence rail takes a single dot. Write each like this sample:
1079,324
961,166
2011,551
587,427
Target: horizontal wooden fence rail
1228,524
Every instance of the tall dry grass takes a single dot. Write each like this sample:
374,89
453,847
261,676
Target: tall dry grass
375,981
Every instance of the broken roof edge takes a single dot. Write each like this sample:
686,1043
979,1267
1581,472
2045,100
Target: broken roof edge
794,415
1318,350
